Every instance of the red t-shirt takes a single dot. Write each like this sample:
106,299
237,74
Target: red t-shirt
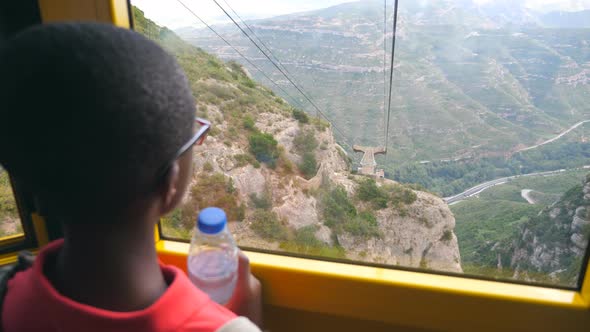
32,304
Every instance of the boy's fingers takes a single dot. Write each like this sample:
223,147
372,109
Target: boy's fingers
247,300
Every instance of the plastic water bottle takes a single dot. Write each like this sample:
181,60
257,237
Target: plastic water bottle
213,256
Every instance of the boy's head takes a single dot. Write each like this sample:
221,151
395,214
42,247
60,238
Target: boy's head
89,114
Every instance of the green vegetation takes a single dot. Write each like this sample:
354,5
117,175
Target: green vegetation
451,177
264,148
305,141
300,116
308,165
336,207
219,86
305,236
367,191
552,230
224,93
438,118
207,167
547,189
340,215
305,144
284,166
305,242
481,224
554,184
245,159
177,224
249,123
7,202
489,227
379,197
365,224
447,236
480,95
320,124
508,192
9,218
401,195
208,190
267,225
263,201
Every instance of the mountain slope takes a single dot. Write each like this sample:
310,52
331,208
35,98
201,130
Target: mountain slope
469,80
551,245
285,182
502,235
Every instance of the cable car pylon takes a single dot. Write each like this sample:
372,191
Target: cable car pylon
368,163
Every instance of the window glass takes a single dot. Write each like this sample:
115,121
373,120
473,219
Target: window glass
476,164
10,223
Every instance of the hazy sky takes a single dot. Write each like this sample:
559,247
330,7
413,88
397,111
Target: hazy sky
560,4
171,14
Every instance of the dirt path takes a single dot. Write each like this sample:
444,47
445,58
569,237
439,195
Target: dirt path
526,194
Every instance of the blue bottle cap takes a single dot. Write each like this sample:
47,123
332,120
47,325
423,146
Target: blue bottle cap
211,220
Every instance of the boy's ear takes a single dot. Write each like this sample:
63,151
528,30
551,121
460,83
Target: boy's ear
170,191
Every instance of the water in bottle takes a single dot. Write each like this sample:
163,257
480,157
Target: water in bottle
213,256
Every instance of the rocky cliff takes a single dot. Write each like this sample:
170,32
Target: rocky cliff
551,246
285,182
418,234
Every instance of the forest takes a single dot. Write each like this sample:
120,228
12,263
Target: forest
447,178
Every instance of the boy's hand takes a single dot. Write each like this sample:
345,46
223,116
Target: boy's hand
247,298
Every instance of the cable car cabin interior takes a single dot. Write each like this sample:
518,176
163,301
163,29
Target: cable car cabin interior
468,209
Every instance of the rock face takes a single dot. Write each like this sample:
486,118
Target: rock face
554,242
420,236
286,199
415,238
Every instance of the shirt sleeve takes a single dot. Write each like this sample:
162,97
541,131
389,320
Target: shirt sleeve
239,324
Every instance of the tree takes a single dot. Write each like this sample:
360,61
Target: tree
249,123
368,191
308,165
337,208
305,141
267,225
264,147
300,116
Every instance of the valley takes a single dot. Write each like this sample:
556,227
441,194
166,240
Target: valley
489,109
287,184
465,86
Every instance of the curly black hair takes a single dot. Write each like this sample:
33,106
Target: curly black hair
88,114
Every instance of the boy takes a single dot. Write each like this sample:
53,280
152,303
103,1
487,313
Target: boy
94,121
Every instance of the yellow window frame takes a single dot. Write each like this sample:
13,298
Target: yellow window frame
373,295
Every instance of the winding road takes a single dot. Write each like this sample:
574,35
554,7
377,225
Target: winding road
554,138
483,186
486,185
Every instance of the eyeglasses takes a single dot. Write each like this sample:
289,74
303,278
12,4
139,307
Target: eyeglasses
197,139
